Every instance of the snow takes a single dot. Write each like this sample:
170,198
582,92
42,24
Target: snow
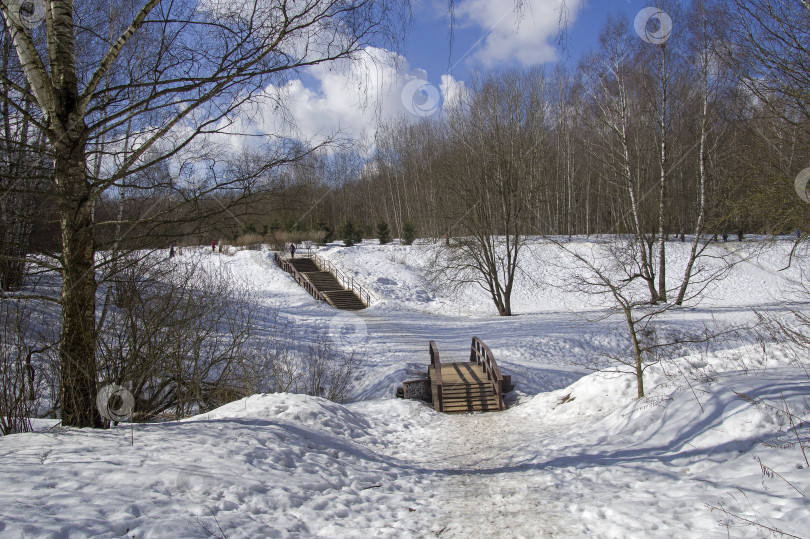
575,455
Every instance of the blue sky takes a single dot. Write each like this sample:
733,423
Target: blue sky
352,98
428,44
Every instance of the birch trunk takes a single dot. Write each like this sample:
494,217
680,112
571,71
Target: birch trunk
662,124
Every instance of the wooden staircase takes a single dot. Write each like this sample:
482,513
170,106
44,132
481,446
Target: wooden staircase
328,285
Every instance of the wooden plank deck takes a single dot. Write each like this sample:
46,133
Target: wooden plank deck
466,373
465,388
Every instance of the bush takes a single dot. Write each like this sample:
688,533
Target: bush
176,334
280,240
307,363
350,234
19,386
383,233
408,233
251,240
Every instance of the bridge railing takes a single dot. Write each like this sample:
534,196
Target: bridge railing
287,266
347,281
437,374
481,354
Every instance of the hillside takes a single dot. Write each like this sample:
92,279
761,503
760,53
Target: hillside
576,455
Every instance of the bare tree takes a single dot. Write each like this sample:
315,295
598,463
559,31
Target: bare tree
704,26
771,45
498,148
611,271
608,75
23,168
158,77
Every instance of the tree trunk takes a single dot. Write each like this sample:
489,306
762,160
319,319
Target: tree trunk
78,345
664,128
631,323
704,114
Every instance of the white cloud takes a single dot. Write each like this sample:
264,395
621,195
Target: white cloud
521,31
453,91
347,98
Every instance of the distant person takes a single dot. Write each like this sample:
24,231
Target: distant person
171,251
292,250
213,246
740,235
725,236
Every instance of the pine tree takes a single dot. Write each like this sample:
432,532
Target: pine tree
329,234
350,234
383,233
408,233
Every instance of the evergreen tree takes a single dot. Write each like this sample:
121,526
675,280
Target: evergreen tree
408,233
329,235
383,233
350,234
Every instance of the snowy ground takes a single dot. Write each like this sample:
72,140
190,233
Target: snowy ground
575,456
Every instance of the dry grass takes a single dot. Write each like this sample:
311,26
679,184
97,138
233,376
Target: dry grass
250,241
279,240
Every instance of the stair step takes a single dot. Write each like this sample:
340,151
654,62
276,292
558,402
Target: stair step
470,389
466,400
469,397
469,409
328,285
478,388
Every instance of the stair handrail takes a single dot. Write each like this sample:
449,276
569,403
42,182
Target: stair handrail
287,266
437,374
346,281
481,354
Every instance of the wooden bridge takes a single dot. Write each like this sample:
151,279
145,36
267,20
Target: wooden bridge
474,386
325,282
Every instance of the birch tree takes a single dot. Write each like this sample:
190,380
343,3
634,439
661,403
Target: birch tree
608,77
163,77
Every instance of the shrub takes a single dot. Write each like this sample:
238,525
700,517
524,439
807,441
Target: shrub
280,240
177,335
251,240
309,363
19,385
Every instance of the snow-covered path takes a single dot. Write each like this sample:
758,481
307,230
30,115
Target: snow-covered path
491,485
